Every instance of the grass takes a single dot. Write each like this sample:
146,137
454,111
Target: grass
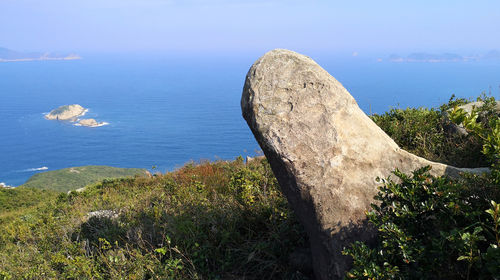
67,179
221,220
20,198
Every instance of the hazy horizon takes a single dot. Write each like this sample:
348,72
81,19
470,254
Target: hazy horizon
224,26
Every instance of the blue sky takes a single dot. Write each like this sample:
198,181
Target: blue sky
250,26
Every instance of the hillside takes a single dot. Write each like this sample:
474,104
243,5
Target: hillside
221,220
67,179
229,220
20,198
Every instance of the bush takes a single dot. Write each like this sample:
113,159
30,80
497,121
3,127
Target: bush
437,228
483,123
431,228
428,133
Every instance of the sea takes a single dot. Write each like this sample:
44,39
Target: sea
166,110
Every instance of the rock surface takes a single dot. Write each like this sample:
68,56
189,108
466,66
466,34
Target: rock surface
325,152
89,122
459,129
469,106
100,214
66,112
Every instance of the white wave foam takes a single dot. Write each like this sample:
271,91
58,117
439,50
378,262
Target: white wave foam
36,169
103,124
3,185
100,124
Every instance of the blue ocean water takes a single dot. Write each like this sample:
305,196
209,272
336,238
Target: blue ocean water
166,110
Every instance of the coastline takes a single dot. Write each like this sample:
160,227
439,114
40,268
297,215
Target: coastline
5,186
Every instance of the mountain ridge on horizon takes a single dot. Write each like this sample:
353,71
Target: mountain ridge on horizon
443,57
9,55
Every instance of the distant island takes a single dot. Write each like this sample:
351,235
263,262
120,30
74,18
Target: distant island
90,123
445,57
7,55
427,57
71,113
66,113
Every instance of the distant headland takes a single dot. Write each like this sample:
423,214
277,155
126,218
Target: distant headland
73,178
7,55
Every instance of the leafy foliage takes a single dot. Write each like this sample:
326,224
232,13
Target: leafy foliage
429,133
436,228
431,228
484,123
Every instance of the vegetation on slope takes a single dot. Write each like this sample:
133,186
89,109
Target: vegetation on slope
429,133
436,228
12,199
432,228
229,220
67,179
19,199
209,221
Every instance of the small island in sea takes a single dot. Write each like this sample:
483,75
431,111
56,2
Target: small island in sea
71,113
90,123
66,113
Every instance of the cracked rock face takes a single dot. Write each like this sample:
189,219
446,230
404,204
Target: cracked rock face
325,152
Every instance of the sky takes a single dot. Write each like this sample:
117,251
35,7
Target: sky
250,25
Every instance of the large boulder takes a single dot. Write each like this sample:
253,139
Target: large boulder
325,152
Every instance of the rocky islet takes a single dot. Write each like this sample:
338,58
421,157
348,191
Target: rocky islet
89,123
72,113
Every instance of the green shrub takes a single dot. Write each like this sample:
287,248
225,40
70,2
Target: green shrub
431,228
428,133
484,123
437,228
